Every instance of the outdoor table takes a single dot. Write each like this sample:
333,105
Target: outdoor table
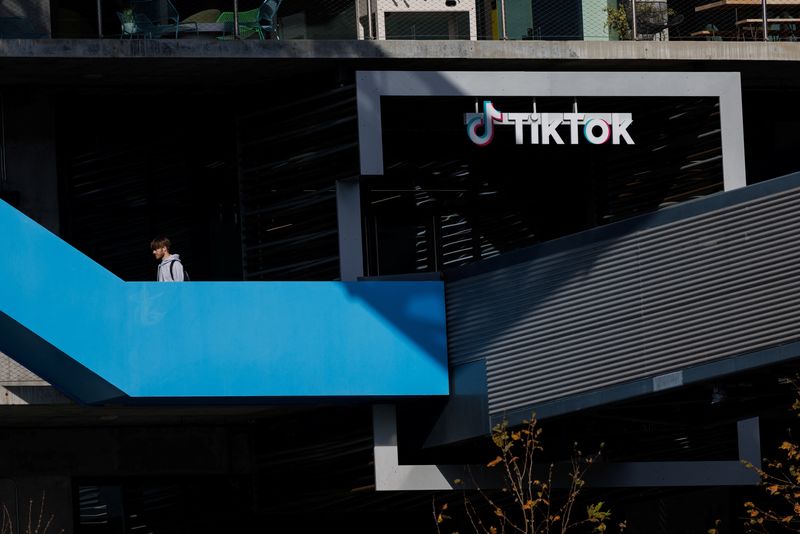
754,26
214,27
742,3
742,27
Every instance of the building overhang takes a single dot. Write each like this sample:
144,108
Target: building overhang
163,63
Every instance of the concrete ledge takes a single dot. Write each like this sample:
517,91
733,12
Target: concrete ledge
470,50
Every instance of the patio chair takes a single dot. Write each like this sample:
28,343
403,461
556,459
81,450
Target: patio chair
260,21
143,26
774,32
789,32
782,32
713,33
174,18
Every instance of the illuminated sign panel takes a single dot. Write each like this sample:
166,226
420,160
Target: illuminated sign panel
596,128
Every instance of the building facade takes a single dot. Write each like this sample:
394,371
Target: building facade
405,224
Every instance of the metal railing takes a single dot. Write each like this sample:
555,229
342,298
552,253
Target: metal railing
584,20
707,20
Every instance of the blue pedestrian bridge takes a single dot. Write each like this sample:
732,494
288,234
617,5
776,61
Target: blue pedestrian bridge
100,339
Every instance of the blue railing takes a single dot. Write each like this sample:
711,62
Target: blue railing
97,338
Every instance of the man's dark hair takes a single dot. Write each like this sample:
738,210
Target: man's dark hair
159,242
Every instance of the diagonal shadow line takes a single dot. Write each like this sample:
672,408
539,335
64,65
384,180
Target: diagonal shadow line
419,314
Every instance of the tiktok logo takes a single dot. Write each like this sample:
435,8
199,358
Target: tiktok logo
486,120
550,128
589,128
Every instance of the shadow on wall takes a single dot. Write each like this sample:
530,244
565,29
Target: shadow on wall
418,311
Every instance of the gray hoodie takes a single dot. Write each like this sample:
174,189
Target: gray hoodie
170,269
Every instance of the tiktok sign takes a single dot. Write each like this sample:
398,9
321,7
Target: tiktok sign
547,128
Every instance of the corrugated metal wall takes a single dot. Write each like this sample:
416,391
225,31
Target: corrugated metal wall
653,299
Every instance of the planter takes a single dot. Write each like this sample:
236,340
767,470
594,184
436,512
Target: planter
129,27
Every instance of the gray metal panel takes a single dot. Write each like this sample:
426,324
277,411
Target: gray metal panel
637,305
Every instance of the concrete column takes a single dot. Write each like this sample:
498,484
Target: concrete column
348,208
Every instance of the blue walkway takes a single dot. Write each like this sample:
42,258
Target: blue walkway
98,338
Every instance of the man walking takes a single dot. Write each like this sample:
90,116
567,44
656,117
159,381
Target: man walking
170,269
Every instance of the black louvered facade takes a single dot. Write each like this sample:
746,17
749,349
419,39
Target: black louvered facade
290,157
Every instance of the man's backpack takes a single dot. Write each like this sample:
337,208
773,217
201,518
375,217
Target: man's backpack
172,274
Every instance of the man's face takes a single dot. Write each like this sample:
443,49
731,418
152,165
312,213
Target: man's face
160,253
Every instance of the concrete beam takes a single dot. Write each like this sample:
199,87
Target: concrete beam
393,50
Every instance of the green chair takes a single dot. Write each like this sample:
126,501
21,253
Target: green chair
260,21
774,32
790,31
713,33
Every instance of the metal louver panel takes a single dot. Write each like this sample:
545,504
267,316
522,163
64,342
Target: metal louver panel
651,299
